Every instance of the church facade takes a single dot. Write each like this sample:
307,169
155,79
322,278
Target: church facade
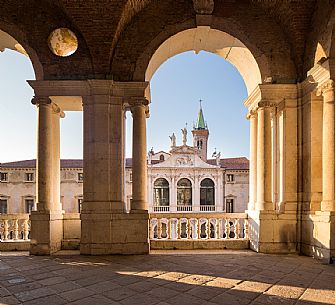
181,180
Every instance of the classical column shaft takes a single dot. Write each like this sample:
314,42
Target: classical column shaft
56,115
328,149
44,162
253,161
139,201
264,159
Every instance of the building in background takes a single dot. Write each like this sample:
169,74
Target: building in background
181,180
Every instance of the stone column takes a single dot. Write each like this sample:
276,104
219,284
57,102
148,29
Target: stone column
173,193
196,193
264,158
46,222
252,116
57,114
140,200
44,160
328,148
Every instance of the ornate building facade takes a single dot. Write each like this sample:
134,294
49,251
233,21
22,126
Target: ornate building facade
182,180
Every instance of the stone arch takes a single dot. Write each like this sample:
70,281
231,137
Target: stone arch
264,39
13,32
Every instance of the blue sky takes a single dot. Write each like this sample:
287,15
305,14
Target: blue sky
176,88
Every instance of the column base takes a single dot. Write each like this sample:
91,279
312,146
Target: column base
114,233
46,232
320,240
272,232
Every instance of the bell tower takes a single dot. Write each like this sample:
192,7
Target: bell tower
200,135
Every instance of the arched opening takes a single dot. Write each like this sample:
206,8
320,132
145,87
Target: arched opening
161,195
213,41
207,196
18,126
184,195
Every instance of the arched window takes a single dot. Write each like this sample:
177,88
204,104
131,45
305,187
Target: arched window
161,192
184,192
207,192
161,158
199,144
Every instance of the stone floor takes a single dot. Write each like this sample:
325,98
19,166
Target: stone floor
225,277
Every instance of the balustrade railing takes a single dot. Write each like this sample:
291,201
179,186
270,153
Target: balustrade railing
198,226
184,208
14,227
207,208
161,208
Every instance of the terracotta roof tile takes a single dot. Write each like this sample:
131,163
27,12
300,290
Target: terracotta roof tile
241,163
228,163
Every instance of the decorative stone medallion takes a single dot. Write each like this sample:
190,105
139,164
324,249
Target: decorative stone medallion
63,42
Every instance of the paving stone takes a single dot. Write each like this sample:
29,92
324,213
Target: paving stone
65,286
120,293
34,294
177,278
9,300
77,294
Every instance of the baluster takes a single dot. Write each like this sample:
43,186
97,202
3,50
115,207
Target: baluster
169,228
208,228
199,228
227,228
16,229
246,229
159,228
217,229
236,229
26,229
189,228
5,227
151,233
178,228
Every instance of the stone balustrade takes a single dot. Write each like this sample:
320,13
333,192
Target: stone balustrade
198,226
167,231
14,232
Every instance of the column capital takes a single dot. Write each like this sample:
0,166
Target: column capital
57,110
325,87
266,104
138,101
41,100
252,114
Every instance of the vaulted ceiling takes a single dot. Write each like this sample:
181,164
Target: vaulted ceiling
101,24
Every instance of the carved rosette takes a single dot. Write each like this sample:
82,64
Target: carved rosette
203,7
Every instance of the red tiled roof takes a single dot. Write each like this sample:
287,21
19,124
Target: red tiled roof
64,163
241,163
228,163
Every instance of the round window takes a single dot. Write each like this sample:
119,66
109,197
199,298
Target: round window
63,42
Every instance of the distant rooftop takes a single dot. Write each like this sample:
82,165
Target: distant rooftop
241,163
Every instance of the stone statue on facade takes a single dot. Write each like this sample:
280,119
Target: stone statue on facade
173,140
184,132
218,158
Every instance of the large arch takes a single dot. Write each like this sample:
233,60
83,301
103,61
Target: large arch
133,53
